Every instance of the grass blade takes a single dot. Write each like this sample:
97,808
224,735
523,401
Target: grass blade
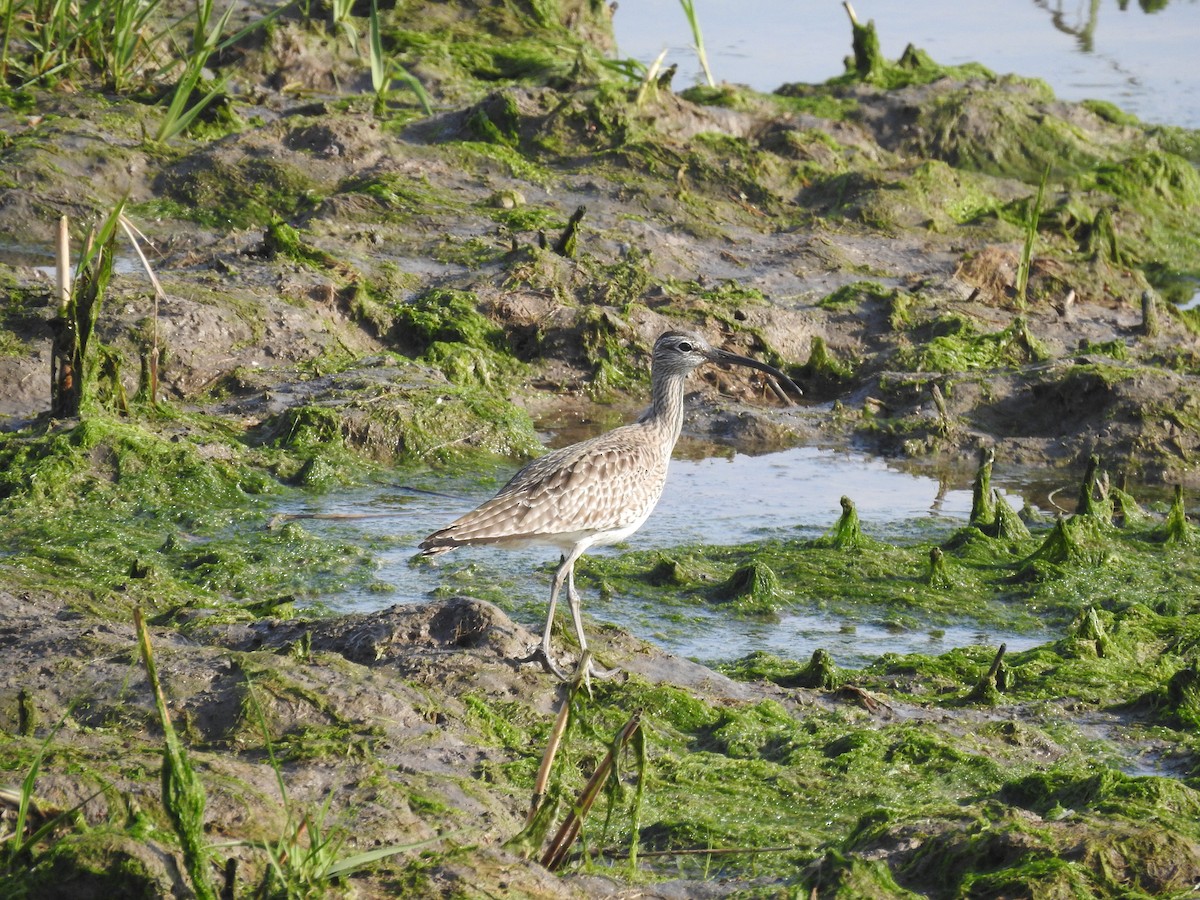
182,793
689,10
1031,227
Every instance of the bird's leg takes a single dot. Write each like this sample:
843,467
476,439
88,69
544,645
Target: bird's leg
577,615
541,653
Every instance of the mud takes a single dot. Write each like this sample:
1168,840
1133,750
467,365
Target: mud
354,282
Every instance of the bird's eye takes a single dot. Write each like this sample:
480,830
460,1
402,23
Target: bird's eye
685,347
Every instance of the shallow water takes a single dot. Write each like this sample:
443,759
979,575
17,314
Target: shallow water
1144,62
719,501
40,258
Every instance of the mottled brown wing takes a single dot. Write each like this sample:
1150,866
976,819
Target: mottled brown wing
604,484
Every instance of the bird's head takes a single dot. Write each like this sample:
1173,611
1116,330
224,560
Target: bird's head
679,352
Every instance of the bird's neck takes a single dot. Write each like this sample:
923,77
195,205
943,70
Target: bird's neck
665,414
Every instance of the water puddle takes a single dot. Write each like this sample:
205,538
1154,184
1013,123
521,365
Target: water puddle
40,258
718,501
1193,302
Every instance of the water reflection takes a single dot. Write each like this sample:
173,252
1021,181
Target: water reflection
797,493
851,645
1084,32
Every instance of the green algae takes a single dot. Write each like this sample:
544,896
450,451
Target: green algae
959,347
1176,529
255,191
445,329
1154,194
752,589
606,345
1000,571
400,198
511,161
679,570
856,293
496,120
771,789
939,574
1008,525
154,518
847,534
993,683
442,316
1178,703
772,803
282,240
820,672
520,218
836,875
1011,134
438,424
823,368
914,67
933,196
173,516
468,54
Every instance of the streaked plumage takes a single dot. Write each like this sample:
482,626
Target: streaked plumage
597,491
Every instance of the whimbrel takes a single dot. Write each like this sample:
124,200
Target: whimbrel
598,491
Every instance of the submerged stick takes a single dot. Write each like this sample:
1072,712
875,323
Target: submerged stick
945,422
868,57
62,267
1087,504
62,354
568,242
937,577
1149,314
983,512
995,667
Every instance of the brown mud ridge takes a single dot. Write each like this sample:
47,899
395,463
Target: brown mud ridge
400,676
314,254
408,761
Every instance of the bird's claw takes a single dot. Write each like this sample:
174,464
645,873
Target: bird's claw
587,666
541,655
600,674
586,669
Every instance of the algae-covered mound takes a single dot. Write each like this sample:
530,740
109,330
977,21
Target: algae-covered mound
328,246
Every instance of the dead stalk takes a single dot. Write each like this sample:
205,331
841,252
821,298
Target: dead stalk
159,294
556,736
63,266
569,830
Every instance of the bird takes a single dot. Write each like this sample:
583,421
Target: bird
595,492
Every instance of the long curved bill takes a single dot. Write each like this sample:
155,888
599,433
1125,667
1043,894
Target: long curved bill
724,356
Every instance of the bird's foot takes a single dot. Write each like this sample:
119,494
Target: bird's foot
541,655
601,674
586,669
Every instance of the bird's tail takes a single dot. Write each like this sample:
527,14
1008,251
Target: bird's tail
438,542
